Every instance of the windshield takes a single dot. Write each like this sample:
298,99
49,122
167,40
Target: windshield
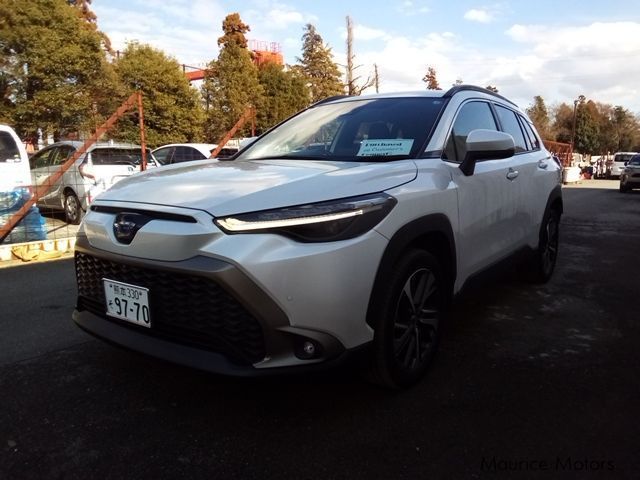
356,130
635,160
622,157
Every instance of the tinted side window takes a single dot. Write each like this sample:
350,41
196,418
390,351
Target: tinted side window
472,116
510,125
62,154
186,154
8,148
533,138
163,155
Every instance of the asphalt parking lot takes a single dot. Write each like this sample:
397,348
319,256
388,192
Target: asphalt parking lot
530,382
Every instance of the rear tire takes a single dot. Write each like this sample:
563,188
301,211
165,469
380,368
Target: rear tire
544,260
72,209
407,323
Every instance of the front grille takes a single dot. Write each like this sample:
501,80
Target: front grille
188,309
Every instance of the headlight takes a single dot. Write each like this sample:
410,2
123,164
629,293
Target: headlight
316,222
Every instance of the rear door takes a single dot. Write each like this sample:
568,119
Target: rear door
527,166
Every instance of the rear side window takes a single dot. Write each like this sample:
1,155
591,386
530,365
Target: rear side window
472,116
187,154
534,142
8,148
510,125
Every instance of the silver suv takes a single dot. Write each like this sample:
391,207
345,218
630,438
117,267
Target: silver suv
345,229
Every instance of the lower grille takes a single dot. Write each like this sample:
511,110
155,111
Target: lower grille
188,309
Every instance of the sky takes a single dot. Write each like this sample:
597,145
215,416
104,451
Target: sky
557,49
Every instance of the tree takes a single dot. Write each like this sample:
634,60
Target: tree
317,63
353,89
562,124
431,80
491,88
234,31
54,73
231,82
88,16
172,108
587,131
285,93
539,115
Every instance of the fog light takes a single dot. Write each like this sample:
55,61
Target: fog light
309,348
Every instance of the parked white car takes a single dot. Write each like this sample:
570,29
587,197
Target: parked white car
14,162
344,230
103,165
616,167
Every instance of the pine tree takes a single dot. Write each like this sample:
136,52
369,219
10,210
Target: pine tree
539,115
172,108
234,31
231,82
318,66
431,80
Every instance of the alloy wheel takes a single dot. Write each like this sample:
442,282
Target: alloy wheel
416,320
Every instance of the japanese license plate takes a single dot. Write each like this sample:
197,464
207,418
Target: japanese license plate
127,302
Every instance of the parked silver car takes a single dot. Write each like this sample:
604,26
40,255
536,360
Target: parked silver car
103,165
630,176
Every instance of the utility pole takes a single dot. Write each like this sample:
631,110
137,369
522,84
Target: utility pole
352,88
376,77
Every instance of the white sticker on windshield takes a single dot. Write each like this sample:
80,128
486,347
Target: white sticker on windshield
375,148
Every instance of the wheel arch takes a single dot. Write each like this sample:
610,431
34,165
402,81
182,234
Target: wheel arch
432,233
555,200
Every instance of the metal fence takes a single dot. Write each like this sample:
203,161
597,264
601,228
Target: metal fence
43,199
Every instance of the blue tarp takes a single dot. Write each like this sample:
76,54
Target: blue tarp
32,227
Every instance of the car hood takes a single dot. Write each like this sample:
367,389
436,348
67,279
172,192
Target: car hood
224,188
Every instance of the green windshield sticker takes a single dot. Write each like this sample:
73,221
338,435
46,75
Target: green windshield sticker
376,148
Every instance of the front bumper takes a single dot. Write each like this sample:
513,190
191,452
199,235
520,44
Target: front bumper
205,312
630,180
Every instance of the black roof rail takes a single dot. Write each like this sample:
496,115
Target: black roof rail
474,88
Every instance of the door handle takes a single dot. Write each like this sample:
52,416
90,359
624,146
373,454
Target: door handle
512,174
542,164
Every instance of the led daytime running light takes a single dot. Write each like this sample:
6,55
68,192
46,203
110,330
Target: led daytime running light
236,225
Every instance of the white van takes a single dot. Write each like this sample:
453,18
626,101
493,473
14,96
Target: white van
617,164
14,162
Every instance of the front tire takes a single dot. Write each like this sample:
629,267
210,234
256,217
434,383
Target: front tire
407,323
72,209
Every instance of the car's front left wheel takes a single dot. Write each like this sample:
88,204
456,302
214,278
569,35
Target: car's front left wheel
72,208
407,321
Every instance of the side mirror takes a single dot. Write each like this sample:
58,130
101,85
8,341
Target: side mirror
486,145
